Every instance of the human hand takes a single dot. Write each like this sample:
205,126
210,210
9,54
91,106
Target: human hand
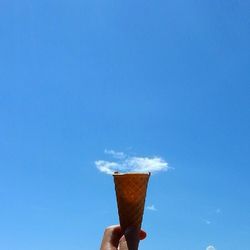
113,239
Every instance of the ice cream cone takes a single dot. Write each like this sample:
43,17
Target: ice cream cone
131,191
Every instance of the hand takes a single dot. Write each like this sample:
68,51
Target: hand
113,238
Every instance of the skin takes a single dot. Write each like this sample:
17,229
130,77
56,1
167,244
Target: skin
113,239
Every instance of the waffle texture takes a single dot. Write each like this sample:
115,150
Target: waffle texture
131,191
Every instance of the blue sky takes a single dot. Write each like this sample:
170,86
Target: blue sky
165,79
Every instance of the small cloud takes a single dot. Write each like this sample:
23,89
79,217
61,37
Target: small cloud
125,163
115,154
151,208
210,248
218,211
208,222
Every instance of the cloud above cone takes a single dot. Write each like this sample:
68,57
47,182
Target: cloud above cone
123,163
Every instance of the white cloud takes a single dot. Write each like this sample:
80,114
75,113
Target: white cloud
208,222
147,164
124,163
152,208
210,248
107,167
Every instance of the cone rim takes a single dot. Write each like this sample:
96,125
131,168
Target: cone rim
131,173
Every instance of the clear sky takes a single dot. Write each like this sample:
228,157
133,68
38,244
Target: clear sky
153,78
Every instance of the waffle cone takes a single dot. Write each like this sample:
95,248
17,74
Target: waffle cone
131,191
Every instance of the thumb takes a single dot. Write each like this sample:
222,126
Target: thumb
123,244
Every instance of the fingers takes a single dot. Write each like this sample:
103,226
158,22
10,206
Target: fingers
131,238
111,238
123,243
142,235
